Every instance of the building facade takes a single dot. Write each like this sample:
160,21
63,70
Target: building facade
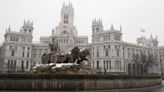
109,54
17,49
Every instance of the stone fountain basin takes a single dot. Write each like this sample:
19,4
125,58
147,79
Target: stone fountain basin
63,69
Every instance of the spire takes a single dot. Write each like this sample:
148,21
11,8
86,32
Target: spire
70,4
156,37
64,4
28,21
9,29
120,28
112,26
100,21
6,29
32,23
151,37
24,22
53,32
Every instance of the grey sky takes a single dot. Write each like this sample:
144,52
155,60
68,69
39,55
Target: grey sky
131,14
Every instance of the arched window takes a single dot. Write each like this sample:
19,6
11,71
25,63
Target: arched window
66,16
97,29
93,30
65,32
12,53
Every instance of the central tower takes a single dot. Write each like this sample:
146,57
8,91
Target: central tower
67,14
66,26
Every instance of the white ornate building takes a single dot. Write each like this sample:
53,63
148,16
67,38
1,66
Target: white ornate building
108,52
20,54
16,50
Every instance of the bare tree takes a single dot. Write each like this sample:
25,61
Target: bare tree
144,60
147,61
136,63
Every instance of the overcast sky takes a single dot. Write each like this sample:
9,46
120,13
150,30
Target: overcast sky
45,14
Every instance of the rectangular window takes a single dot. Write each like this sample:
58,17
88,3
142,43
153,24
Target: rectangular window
65,21
97,51
109,64
93,30
116,37
104,64
104,38
106,52
17,39
23,54
12,53
27,65
15,63
118,53
118,65
22,66
97,29
66,16
108,37
97,54
93,51
8,64
11,38
28,54
11,64
98,65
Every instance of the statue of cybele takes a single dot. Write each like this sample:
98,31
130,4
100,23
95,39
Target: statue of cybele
54,47
51,57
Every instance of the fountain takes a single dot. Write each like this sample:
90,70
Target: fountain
72,62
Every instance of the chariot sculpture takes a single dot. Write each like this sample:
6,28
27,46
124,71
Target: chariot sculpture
73,62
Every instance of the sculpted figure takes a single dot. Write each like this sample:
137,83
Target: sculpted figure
54,47
53,56
75,54
45,59
83,54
